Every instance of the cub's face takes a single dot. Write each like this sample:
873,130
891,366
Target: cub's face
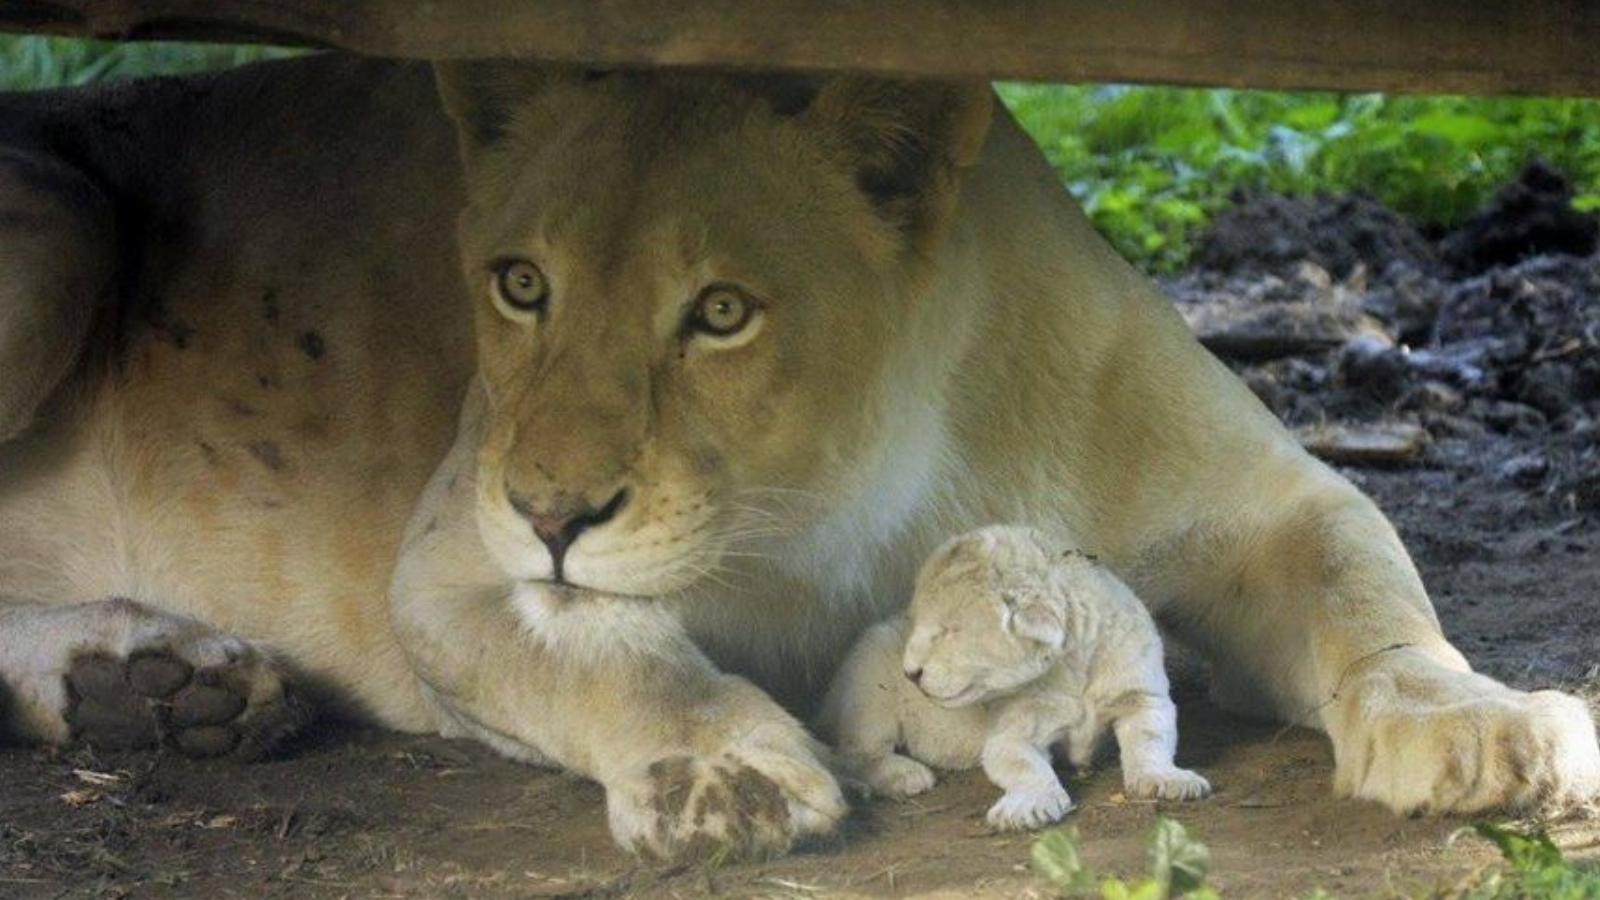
688,291
983,621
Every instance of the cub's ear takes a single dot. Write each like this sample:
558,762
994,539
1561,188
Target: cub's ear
482,96
1033,620
906,142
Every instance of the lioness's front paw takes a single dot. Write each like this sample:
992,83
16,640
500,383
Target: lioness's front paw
1166,784
748,801
1430,740
898,776
1021,810
205,694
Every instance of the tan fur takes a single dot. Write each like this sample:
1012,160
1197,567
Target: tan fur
962,349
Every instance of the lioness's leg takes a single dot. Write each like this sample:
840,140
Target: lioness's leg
1326,618
119,674
58,256
692,759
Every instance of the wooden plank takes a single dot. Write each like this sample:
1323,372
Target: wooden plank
1450,46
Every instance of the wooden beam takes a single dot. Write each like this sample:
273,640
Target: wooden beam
1447,46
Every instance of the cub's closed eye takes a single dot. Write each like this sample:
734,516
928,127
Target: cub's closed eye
520,286
722,311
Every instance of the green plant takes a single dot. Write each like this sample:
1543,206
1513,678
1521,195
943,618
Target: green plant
1178,866
1535,868
1151,165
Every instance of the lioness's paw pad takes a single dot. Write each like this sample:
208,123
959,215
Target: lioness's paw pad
210,696
1025,810
1501,749
899,777
1171,784
746,804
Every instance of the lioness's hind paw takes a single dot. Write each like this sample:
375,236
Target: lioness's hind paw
1171,784
206,696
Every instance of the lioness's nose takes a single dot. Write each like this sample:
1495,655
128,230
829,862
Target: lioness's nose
915,675
558,527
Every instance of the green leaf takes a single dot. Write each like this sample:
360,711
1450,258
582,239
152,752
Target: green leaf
1525,851
1178,861
1117,889
1114,889
1056,860
1461,129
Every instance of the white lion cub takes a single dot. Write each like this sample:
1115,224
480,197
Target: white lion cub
1009,648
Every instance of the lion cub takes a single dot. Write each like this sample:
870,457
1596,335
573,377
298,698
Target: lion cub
1009,648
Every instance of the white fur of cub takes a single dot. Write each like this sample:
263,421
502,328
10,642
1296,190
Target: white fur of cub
1009,648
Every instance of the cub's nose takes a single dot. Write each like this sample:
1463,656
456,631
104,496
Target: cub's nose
915,675
558,527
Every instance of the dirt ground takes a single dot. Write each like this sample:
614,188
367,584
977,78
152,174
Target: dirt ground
1491,357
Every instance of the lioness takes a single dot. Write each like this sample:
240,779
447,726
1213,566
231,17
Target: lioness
736,352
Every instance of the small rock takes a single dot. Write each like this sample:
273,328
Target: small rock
1527,470
1408,299
1509,417
1374,366
1584,488
1433,396
1270,330
1547,387
1382,444
1445,425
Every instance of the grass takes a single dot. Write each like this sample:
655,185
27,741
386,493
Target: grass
1533,869
1151,165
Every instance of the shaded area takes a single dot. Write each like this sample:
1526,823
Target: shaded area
1493,362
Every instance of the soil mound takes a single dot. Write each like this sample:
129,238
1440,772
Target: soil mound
1268,232
1530,217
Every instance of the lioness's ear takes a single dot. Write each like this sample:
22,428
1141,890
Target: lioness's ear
481,97
906,141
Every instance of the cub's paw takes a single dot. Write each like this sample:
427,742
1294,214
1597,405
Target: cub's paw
1435,741
897,776
203,694
1023,810
1166,784
749,801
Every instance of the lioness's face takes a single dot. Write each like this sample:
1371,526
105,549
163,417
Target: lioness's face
685,291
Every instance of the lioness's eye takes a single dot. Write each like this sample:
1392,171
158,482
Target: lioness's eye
520,285
722,311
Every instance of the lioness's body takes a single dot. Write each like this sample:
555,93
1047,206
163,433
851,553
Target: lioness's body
152,482
248,436
246,441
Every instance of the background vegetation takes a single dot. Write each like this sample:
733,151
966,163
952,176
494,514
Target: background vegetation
1151,165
